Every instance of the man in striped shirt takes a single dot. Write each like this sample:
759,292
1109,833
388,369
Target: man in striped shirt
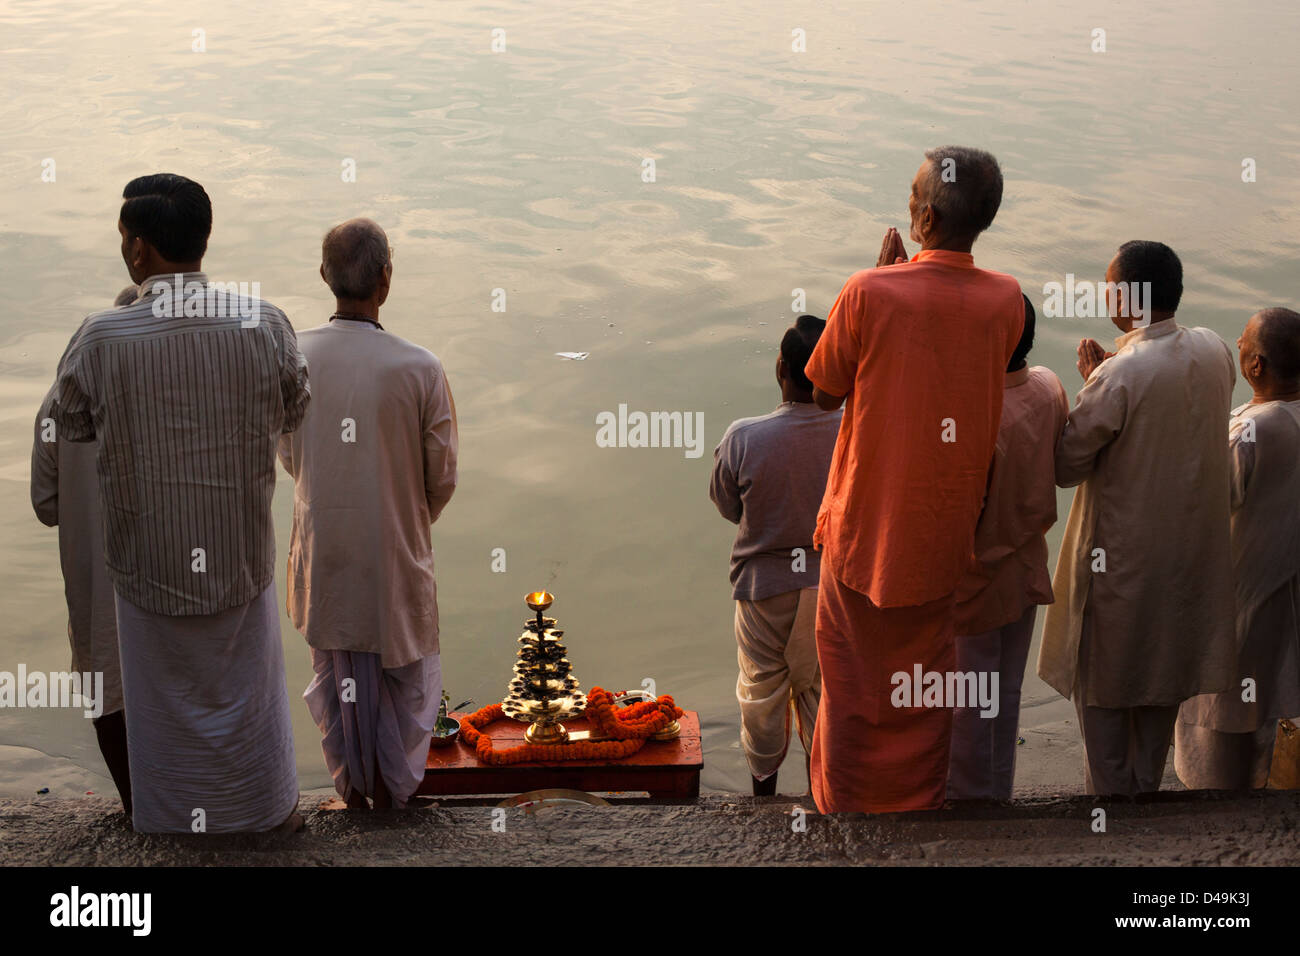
187,392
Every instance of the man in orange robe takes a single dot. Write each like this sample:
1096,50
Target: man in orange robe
919,350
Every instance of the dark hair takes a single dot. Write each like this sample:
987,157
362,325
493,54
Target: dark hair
1279,342
1142,260
171,213
797,348
969,201
1026,337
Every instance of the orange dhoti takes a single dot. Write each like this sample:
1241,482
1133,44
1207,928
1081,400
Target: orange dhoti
868,755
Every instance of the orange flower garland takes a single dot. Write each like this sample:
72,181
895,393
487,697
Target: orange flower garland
628,729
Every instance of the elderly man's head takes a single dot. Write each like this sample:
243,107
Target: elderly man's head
955,195
1270,351
356,261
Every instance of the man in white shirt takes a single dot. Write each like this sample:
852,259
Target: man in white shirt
374,463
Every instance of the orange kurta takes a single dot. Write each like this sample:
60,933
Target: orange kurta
920,350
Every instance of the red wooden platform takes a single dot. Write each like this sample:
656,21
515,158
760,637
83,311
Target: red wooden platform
667,769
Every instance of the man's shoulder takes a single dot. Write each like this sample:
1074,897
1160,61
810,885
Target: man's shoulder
1283,417
383,343
1047,385
746,426
775,422
414,356
249,308
1207,339
1040,400
98,325
1197,339
744,430
271,309
901,277
1045,382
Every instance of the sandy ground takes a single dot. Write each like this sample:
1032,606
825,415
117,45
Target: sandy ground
1172,829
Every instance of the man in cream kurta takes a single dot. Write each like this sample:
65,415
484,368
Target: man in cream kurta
1225,741
374,464
65,493
1144,608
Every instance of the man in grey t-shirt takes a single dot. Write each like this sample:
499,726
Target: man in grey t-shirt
769,474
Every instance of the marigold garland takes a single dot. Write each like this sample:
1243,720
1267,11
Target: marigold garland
627,727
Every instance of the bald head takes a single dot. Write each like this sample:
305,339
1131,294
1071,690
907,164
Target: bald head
1270,346
353,258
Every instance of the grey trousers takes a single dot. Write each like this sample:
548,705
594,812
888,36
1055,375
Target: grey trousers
982,761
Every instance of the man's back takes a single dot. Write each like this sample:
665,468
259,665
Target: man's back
1010,545
187,411
374,463
921,350
1175,392
769,477
1265,451
1146,438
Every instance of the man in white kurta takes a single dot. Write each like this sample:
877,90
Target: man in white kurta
1143,617
374,464
1225,741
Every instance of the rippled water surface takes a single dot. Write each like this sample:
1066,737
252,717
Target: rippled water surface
522,170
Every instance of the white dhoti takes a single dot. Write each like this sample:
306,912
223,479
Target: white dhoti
385,722
777,653
209,736
982,760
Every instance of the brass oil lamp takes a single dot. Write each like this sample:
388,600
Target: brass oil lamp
543,691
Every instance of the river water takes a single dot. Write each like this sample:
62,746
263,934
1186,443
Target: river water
524,169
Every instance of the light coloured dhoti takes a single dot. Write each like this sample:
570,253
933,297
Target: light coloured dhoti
982,763
385,721
208,731
777,652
